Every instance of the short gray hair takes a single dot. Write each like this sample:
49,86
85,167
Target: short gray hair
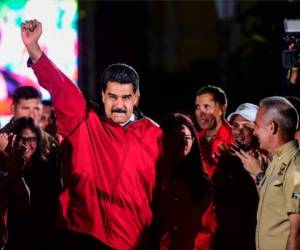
282,112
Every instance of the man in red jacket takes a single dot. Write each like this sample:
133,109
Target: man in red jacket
210,108
110,159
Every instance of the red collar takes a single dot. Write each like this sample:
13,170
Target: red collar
224,133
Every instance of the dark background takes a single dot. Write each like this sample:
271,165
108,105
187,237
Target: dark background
179,46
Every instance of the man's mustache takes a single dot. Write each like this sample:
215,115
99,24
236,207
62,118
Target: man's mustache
119,110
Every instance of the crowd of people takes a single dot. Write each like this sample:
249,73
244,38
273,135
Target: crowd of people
79,175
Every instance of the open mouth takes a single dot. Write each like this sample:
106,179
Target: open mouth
203,120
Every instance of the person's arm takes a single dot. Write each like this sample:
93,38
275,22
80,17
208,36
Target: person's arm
31,32
293,242
293,73
68,101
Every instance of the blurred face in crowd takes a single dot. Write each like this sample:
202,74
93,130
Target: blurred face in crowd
28,108
242,130
208,112
119,101
179,143
262,129
46,117
29,139
187,139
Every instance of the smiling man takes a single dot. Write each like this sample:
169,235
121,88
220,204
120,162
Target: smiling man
111,156
210,108
236,196
278,215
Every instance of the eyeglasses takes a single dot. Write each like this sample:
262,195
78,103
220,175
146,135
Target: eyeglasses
29,140
188,137
184,137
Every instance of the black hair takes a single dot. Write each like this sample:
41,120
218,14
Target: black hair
190,168
121,73
28,123
26,92
47,103
217,93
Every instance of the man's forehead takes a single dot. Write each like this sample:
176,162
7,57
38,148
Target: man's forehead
239,119
259,115
24,101
261,111
119,87
205,98
118,84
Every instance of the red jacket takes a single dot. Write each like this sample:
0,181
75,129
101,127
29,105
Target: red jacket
209,149
110,169
182,222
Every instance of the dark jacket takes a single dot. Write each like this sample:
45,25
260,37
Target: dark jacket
236,201
35,228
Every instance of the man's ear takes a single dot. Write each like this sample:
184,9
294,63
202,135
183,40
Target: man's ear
103,96
223,109
137,98
273,126
13,108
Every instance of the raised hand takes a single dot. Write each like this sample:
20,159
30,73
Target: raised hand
31,31
3,142
252,164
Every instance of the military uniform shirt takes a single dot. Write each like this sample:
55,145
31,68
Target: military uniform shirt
279,196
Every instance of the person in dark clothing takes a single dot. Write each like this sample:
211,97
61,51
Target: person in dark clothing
27,103
236,195
184,194
36,228
13,189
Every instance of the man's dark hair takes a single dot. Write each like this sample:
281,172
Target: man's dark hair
283,113
121,73
47,103
217,93
26,92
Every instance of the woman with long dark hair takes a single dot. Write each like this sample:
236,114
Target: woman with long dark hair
35,228
184,190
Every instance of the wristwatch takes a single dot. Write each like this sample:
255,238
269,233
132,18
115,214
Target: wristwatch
259,177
